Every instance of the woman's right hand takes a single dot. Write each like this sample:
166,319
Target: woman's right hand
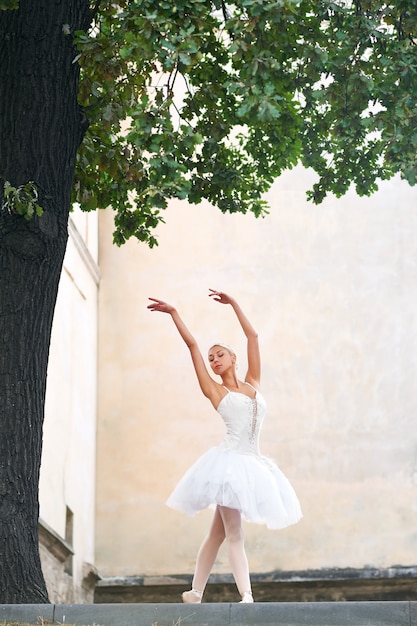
160,305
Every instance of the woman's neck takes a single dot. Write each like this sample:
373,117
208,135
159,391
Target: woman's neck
231,381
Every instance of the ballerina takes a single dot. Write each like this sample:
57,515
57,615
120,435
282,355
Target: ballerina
232,477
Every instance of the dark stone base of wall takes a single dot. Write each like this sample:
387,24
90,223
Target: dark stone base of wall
332,585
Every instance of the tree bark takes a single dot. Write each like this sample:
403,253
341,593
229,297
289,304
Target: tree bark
40,131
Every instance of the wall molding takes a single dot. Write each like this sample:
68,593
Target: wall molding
84,252
53,542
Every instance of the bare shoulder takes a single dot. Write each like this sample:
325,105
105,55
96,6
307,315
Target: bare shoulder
216,393
253,382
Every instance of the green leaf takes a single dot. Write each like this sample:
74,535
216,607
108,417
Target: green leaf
186,102
9,5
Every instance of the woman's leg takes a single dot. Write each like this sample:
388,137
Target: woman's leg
205,558
232,523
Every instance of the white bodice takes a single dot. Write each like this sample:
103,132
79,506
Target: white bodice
243,417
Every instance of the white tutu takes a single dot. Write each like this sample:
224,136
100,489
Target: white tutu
252,484
235,475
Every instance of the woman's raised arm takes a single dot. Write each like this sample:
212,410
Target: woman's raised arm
208,386
253,374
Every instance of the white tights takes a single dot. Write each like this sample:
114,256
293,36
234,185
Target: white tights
226,524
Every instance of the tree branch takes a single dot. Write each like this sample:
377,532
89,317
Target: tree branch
93,13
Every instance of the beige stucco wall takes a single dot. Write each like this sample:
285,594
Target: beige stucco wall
69,447
332,291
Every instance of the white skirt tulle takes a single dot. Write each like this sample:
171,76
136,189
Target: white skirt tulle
250,483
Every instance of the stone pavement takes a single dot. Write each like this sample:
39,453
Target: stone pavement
403,613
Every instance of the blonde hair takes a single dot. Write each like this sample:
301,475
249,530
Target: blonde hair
226,347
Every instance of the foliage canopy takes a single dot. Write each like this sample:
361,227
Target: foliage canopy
202,99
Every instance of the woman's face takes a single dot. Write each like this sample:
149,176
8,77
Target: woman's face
220,359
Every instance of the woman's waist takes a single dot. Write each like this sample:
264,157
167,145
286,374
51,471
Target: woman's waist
240,445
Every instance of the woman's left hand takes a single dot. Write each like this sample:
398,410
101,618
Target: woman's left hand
220,296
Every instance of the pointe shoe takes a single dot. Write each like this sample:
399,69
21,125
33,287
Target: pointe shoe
247,597
192,597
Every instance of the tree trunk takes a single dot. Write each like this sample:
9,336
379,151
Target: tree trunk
40,131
